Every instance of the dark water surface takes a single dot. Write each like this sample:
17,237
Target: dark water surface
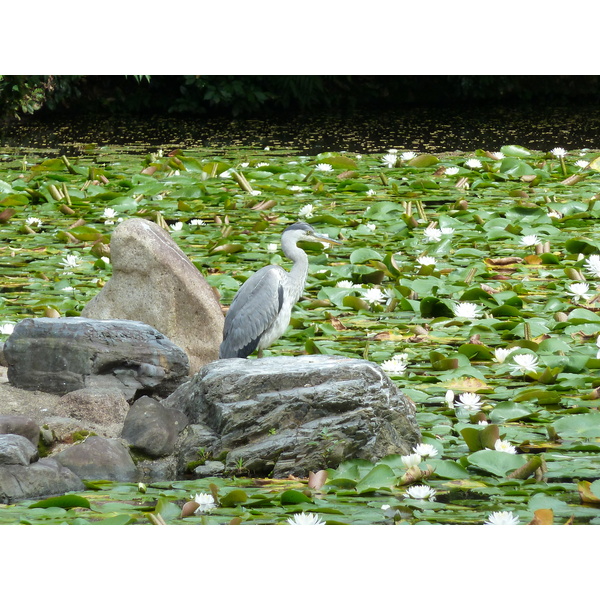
421,130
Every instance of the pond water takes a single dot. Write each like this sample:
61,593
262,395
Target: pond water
418,129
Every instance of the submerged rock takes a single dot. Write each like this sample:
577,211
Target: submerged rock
40,479
290,415
153,281
67,354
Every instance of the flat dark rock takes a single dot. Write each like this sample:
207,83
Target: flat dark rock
67,354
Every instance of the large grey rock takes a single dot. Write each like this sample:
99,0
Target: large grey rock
21,425
66,354
151,428
16,450
153,281
99,458
290,415
40,479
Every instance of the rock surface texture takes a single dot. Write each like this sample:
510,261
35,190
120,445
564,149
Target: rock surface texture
22,475
67,354
154,282
290,415
99,458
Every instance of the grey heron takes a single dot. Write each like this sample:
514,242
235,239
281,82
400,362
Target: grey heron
260,311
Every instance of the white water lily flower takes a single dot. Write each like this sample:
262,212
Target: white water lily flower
426,260
449,398
306,211
295,188
425,450
206,502
397,364
467,310
197,222
344,284
411,460
389,160
305,519
502,446
261,164
592,265
598,344
530,240
176,226
524,363
33,222
452,170
469,401
408,155
503,517
498,155
447,230
373,296
558,152
500,354
70,261
433,234
582,164
579,291
554,214
473,163
420,492
371,226
324,167
371,192
109,213
7,328
255,193
271,248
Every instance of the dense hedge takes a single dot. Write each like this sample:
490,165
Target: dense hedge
253,95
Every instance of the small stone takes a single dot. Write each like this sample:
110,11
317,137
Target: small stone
151,428
16,450
211,468
153,281
20,425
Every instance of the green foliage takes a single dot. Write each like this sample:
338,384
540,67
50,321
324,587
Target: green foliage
370,297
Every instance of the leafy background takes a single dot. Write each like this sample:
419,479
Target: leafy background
380,208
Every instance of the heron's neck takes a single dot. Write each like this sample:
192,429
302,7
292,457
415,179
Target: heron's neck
299,270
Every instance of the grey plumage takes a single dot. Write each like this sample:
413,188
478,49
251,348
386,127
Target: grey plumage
260,311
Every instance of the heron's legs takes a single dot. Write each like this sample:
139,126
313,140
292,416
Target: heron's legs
259,354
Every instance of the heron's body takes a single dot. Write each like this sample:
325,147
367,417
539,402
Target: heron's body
261,309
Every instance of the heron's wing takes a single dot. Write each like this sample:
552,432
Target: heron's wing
253,310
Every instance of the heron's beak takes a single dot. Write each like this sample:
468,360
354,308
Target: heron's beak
325,239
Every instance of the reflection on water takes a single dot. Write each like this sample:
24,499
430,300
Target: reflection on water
422,130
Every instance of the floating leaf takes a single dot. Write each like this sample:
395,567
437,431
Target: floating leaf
496,463
381,476
294,497
66,501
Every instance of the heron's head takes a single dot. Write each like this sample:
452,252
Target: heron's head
303,231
